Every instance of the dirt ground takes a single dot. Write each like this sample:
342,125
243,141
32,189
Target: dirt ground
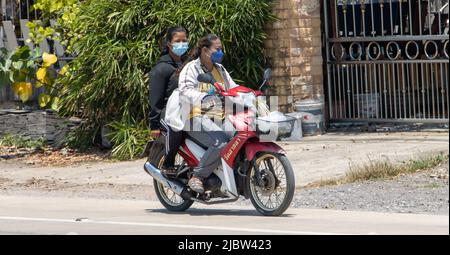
48,156
313,158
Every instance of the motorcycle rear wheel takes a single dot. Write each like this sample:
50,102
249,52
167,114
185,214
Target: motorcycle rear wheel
169,199
277,183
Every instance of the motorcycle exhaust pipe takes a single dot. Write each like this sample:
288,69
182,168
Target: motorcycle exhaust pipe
175,186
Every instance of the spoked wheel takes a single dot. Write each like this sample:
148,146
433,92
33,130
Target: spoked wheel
272,193
169,199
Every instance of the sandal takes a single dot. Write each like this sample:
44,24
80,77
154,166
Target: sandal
196,185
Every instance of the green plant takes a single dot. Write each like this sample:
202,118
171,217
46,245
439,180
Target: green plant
64,12
21,142
129,139
426,163
23,67
380,170
117,43
431,186
80,138
38,32
374,170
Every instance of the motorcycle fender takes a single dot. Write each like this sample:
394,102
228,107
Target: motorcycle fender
252,148
147,149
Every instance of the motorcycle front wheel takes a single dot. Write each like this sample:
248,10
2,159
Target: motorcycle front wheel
272,193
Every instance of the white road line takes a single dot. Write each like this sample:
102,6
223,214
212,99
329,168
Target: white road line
253,230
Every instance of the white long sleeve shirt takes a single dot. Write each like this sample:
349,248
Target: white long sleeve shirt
189,94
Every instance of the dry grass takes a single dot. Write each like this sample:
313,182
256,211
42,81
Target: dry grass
382,170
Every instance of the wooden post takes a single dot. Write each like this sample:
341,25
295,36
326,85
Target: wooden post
26,33
2,9
11,39
2,45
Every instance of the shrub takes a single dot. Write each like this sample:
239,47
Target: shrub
21,142
129,139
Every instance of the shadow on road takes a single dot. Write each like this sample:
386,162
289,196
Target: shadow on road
213,212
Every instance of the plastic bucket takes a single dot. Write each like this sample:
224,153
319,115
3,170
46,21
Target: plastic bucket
312,116
297,132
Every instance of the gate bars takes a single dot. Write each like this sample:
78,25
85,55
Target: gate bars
387,60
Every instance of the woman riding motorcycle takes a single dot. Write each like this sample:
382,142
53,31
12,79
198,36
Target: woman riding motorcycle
163,81
199,97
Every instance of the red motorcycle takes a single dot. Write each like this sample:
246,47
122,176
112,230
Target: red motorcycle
250,167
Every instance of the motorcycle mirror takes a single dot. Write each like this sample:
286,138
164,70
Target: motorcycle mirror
267,74
206,78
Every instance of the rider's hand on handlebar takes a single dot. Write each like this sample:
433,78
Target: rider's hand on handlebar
209,102
211,92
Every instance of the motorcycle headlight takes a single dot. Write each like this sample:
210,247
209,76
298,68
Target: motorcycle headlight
248,99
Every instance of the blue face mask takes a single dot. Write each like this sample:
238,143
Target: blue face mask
216,57
180,48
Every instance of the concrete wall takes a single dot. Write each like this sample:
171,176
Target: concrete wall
294,49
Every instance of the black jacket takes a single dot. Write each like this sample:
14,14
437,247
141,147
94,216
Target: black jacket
163,81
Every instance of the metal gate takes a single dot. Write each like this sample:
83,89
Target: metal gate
387,60
16,10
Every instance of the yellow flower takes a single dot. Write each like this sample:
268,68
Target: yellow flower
43,99
49,59
23,89
41,74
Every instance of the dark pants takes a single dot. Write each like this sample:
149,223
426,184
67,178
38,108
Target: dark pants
173,143
213,139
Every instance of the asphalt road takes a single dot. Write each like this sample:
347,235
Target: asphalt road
62,216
